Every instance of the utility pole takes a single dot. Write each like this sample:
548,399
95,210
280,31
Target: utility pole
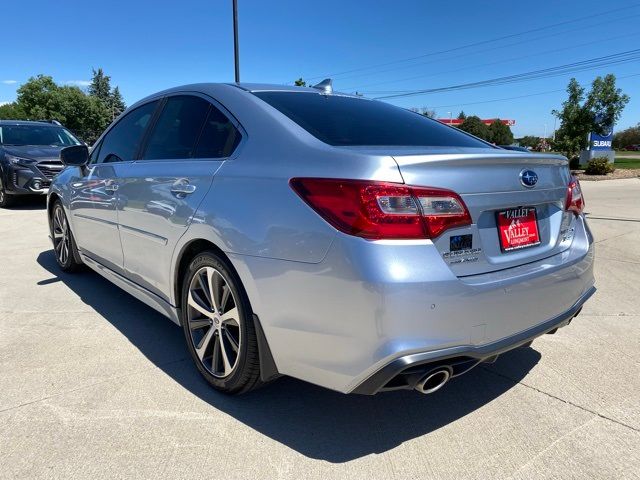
450,118
236,47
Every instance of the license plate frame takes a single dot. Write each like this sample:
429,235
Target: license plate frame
517,228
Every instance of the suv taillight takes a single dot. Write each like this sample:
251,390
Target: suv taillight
380,210
575,200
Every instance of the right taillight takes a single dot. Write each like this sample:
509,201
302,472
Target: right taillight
382,210
575,200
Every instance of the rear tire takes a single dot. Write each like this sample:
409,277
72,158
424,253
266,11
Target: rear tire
64,245
218,325
6,200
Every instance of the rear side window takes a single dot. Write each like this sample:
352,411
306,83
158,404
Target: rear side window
347,121
219,136
121,143
177,129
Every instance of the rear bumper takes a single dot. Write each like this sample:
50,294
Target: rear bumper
405,371
368,305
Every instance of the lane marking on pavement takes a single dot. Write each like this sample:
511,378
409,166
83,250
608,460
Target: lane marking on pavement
614,219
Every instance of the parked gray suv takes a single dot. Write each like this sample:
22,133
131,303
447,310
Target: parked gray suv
336,239
30,157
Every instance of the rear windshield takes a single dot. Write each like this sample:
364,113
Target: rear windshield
347,121
36,135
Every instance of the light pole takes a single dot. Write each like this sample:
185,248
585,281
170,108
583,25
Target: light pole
450,118
236,47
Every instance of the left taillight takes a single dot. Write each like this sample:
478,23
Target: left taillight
575,199
382,210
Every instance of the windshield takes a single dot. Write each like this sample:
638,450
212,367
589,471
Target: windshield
348,121
36,135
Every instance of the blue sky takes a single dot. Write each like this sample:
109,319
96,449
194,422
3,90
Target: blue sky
150,45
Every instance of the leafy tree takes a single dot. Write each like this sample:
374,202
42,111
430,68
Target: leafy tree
300,83
41,98
500,133
630,136
462,115
529,141
12,111
475,126
582,114
605,102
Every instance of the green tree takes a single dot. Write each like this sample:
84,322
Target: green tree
117,103
300,83
629,136
41,98
12,111
605,102
581,114
100,86
475,126
500,133
529,141
462,115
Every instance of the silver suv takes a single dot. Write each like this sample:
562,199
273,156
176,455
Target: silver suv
336,239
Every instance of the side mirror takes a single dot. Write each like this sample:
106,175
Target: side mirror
76,155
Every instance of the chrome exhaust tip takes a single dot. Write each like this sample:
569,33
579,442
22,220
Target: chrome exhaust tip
433,381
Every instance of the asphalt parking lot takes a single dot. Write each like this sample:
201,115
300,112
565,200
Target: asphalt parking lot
95,384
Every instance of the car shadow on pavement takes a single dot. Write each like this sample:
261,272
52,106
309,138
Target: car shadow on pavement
29,203
313,421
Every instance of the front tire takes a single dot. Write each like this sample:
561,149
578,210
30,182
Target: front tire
64,245
218,325
6,200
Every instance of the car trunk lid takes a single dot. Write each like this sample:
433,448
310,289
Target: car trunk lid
489,181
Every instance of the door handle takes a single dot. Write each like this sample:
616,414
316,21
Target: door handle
182,187
111,187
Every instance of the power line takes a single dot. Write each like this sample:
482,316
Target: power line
518,96
467,67
475,44
613,59
476,52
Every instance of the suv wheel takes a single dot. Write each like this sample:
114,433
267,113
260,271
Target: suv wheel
218,325
64,245
5,199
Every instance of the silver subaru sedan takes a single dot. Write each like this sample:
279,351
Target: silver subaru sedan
336,239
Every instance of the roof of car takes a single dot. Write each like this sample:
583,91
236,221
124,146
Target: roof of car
27,122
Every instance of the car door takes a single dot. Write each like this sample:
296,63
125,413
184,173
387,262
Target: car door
164,187
95,201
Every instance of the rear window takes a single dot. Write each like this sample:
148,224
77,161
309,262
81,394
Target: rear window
347,121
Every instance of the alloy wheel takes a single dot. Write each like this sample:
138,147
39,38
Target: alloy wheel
61,236
214,322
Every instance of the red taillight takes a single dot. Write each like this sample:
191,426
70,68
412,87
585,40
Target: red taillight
575,200
380,210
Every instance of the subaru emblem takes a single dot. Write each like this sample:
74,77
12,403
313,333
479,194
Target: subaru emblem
528,178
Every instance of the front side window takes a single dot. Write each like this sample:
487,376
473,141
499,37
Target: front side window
176,132
121,143
347,121
41,135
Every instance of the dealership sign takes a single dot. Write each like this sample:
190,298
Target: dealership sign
600,142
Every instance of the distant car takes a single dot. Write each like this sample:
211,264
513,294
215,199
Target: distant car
30,157
633,148
336,239
515,148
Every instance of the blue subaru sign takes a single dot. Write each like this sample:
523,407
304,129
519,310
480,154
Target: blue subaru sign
600,142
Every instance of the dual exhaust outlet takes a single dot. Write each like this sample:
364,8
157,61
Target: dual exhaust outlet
434,380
